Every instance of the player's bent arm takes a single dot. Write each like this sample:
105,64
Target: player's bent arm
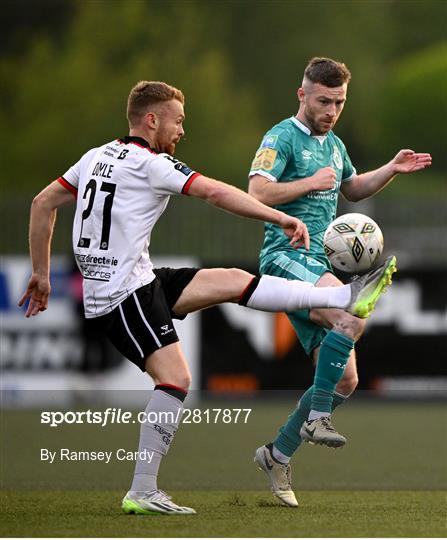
273,193
367,184
238,202
43,217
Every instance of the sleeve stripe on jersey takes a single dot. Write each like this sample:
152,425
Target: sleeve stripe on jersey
188,183
349,178
262,173
67,185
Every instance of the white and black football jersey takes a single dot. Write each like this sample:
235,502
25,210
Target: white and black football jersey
122,188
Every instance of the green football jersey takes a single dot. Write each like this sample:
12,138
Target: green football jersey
289,152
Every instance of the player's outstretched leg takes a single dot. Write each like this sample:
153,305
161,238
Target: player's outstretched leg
279,475
367,289
359,298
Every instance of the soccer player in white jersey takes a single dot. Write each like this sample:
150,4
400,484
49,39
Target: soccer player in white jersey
300,168
121,189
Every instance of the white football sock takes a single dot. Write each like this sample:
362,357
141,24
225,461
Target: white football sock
278,294
313,415
163,412
279,456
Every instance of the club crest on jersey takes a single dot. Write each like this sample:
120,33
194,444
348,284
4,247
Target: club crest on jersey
306,154
269,141
336,158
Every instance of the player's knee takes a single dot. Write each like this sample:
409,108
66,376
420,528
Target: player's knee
359,326
236,275
178,377
182,380
348,384
350,326
238,280
185,381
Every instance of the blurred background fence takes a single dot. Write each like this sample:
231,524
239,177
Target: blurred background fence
414,229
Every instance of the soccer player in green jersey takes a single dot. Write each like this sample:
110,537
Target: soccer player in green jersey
300,168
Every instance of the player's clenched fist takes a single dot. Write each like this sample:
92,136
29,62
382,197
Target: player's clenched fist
296,230
324,179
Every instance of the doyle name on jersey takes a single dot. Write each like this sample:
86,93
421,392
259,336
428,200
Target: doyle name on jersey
122,189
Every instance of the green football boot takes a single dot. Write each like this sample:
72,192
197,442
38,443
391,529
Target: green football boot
367,289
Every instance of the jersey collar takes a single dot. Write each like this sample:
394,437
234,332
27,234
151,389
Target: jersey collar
300,125
137,140
306,130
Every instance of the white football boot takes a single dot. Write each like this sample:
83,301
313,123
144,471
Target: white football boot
321,431
152,502
280,475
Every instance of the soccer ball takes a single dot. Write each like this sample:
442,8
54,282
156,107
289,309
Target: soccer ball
353,243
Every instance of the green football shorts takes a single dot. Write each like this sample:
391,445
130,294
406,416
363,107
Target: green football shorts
296,265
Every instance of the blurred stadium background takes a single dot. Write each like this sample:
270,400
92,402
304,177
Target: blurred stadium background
65,72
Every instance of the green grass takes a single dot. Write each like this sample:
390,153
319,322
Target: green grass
321,514
388,480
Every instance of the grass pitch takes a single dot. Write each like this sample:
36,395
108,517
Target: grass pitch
389,481
243,514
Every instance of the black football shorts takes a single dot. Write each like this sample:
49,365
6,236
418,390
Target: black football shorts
142,323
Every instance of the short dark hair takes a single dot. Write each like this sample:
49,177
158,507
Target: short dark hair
147,93
327,72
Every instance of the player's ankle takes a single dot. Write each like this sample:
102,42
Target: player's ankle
278,456
314,415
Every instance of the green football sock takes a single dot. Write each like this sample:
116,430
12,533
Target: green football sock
288,439
334,354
